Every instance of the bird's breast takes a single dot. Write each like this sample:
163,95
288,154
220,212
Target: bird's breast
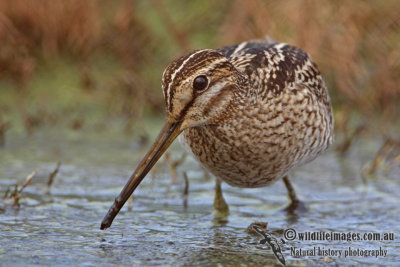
262,142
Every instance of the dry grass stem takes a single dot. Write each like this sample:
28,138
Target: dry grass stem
53,175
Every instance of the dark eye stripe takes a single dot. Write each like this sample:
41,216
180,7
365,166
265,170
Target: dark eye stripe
186,67
176,75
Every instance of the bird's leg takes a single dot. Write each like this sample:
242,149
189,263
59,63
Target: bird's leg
291,192
219,201
295,203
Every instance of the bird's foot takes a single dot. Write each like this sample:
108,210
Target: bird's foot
296,207
220,205
221,209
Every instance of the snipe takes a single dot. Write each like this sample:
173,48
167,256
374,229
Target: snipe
249,113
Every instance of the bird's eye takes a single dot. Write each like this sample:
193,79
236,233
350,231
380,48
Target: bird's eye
200,83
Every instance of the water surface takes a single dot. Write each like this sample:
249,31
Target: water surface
60,226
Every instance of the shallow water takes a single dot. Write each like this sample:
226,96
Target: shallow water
60,226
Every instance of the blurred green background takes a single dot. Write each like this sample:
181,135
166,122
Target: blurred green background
97,64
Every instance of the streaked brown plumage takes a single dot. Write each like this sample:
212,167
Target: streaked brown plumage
249,113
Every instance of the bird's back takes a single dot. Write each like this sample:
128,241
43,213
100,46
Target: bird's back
281,119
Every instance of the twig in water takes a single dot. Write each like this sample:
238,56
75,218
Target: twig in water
185,191
28,180
14,195
174,164
387,156
349,138
53,174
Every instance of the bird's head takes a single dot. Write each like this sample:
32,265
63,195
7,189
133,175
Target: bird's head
198,89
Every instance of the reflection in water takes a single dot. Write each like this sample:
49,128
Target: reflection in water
60,226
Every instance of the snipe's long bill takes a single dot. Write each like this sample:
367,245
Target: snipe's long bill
249,113
167,135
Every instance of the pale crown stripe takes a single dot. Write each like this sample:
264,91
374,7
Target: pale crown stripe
178,70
